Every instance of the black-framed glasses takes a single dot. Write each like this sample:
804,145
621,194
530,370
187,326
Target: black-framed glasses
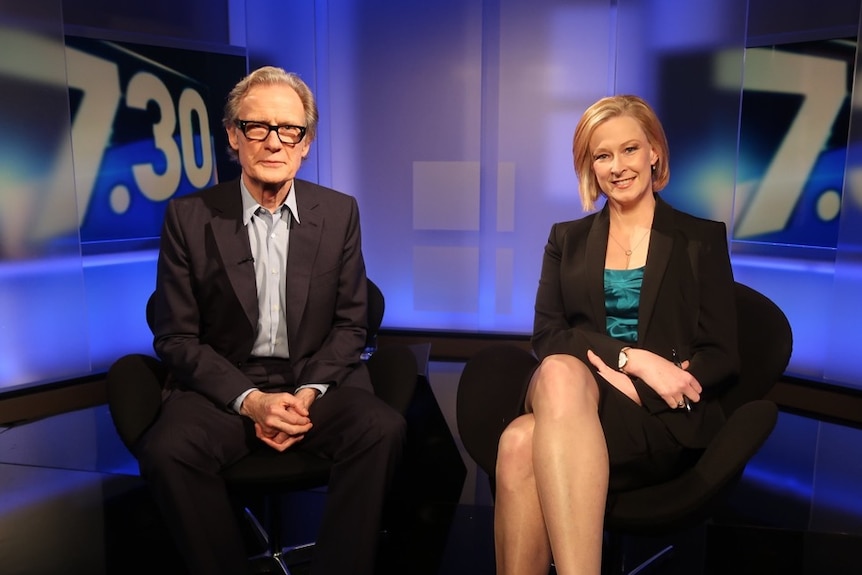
259,131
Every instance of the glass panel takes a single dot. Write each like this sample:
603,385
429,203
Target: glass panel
793,215
836,502
842,347
836,505
691,72
43,333
405,81
132,120
458,142
555,59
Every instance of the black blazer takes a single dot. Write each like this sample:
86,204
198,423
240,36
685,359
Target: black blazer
686,303
205,303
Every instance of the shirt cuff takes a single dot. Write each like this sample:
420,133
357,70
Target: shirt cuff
321,387
236,404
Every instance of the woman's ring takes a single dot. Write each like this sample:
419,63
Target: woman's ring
680,405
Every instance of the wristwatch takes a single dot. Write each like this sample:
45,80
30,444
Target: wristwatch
624,359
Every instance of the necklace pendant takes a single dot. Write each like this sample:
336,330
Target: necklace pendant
628,253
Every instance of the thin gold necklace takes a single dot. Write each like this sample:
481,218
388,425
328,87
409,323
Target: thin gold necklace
631,251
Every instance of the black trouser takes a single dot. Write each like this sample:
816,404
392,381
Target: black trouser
193,439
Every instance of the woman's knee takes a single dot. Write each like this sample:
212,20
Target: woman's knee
561,366
515,449
562,382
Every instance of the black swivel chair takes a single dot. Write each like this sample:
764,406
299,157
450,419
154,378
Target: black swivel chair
490,391
134,386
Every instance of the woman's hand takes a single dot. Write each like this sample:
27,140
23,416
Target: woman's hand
673,383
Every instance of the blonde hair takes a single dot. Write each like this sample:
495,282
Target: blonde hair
596,115
270,75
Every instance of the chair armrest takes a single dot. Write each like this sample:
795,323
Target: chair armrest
686,500
745,431
490,395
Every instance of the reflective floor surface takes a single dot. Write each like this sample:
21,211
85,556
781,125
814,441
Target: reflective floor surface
72,503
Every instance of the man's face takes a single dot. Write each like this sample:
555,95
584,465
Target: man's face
269,162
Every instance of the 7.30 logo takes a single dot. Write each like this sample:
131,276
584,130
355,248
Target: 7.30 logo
140,135
793,139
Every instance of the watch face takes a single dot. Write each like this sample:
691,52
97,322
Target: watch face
624,358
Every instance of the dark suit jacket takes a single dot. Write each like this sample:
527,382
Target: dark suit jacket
686,303
205,303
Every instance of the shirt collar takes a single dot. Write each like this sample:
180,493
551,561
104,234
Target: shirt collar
250,205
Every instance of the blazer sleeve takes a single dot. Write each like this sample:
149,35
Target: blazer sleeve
708,339
333,335
564,322
178,341
714,354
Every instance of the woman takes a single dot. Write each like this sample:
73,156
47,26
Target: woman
634,329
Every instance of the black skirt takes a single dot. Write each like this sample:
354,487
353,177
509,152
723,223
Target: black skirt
641,449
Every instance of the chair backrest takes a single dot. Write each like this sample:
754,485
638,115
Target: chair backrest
376,309
151,313
490,394
765,345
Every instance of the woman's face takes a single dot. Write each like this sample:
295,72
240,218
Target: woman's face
622,160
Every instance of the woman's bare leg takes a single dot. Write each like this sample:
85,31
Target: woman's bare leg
521,540
552,475
570,462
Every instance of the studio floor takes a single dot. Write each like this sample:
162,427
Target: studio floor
72,503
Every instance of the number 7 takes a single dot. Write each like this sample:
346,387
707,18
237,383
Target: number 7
822,82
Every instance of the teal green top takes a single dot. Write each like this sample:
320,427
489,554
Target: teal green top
622,296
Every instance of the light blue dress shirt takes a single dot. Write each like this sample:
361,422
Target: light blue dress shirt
269,237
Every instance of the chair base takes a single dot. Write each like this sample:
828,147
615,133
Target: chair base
641,554
279,562
654,561
616,565
272,558
268,564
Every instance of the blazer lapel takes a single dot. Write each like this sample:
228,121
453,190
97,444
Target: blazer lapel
660,247
596,250
231,237
305,237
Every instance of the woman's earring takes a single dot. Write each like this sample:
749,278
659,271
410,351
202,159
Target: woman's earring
653,167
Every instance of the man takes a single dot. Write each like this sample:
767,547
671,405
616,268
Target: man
260,316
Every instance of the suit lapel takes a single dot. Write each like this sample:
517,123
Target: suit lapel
660,247
231,237
596,250
305,238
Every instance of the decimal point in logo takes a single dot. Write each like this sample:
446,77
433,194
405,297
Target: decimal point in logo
828,205
120,199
